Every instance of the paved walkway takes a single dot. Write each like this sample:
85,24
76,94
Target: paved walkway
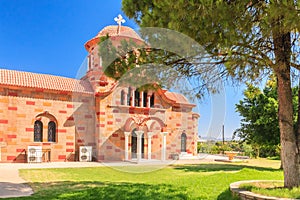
12,185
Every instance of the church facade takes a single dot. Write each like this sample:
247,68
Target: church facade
57,116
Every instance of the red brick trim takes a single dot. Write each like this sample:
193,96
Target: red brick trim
30,103
3,121
12,108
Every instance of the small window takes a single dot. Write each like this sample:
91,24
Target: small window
38,131
51,132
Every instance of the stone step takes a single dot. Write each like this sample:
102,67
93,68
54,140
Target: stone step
185,155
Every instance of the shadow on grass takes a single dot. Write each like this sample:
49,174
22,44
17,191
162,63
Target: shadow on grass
218,167
68,190
227,195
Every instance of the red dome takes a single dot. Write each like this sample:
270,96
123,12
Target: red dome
125,31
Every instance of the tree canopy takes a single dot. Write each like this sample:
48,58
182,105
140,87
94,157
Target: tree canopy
259,123
239,34
245,40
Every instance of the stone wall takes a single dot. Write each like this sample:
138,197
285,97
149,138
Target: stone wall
19,108
247,195
85,120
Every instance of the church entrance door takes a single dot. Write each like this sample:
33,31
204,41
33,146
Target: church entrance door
134,145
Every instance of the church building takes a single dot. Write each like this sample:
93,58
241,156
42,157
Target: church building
51,118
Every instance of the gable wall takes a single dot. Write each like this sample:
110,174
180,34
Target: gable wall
113,117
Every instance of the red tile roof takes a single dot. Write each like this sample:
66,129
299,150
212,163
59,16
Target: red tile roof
63,84
177,98
43,81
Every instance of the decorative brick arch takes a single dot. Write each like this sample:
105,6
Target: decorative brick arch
152,121
148,122
129,125
52,126
47,115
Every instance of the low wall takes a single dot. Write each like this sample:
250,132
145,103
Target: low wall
247,195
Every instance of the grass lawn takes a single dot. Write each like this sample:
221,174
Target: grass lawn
198,181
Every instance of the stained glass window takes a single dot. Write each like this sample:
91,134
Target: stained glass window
51,132
38,131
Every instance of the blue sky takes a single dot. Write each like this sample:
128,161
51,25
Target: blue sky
47,36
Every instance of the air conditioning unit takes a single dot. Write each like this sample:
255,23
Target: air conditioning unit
85,153
34,154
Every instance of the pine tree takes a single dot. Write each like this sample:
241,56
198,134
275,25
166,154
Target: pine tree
247,38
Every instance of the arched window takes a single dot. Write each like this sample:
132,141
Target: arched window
122,97
38,131
183,142
152,101
145,99
136,98
129,97
51,131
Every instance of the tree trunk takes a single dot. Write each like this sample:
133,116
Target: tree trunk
297,131
289,149
288,139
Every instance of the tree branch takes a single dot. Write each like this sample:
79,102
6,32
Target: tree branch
296,66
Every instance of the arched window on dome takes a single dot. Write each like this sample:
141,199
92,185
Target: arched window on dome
100,61
122,97
89,62
51,131
38,131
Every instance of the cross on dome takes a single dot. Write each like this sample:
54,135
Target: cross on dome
119,21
